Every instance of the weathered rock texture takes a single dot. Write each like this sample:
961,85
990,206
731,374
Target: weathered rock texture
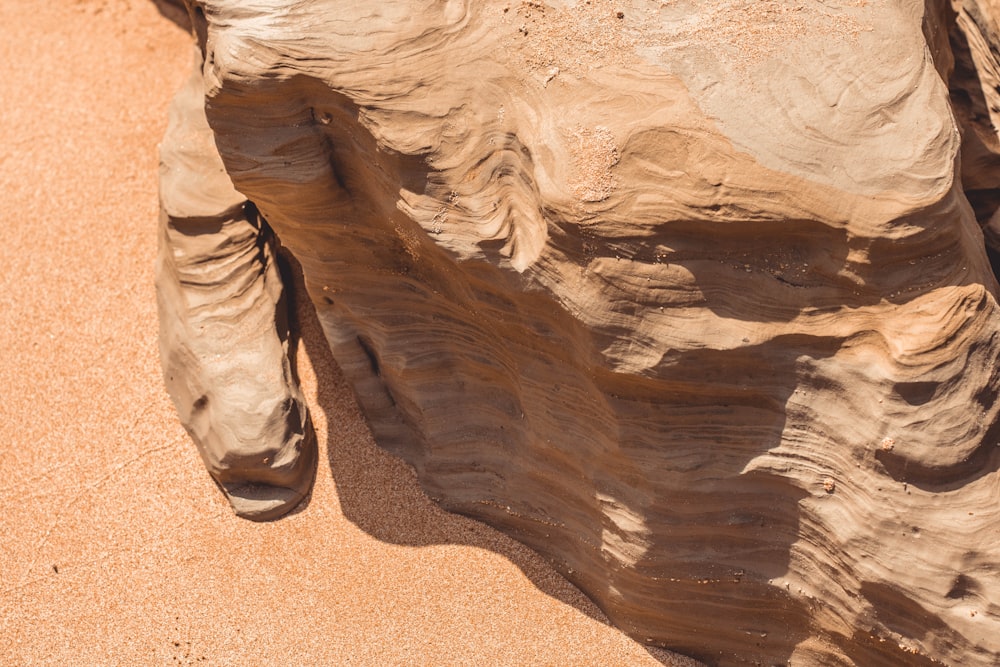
687,296
224,335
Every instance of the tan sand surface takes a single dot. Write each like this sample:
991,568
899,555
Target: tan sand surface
115,546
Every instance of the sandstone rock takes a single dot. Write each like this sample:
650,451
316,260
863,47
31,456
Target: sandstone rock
689,297
224,335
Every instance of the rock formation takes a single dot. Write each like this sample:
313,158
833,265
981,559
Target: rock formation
224,334
689,297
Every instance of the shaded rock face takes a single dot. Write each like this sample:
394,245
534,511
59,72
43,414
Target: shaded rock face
689,297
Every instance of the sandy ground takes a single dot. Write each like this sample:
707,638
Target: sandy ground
116,548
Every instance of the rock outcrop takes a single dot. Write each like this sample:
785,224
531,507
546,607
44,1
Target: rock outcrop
689,297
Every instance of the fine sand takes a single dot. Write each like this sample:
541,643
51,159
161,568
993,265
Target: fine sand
116,548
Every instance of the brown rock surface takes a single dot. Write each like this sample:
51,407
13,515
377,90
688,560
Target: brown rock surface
117,549
689,297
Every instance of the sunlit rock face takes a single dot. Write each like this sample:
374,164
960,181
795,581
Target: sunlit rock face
687,296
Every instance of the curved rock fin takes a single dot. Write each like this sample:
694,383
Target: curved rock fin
224,332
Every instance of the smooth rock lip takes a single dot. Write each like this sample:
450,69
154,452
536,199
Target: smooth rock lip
259,502
267,493
262,502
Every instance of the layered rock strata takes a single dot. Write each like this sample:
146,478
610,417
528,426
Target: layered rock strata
689,297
